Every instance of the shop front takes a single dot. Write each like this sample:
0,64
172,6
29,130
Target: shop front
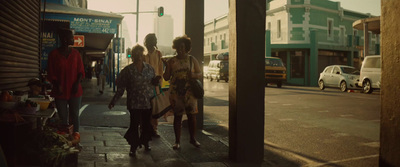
94,31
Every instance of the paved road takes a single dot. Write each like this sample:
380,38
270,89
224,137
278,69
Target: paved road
315,128
303,125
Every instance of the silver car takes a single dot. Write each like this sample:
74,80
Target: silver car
339,76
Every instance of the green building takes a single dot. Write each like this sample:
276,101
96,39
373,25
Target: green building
309,35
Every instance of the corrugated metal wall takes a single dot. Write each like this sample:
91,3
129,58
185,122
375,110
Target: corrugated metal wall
19,43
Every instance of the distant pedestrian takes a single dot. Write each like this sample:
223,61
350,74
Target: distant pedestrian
182,99
153,57
101,71
65,73
139,80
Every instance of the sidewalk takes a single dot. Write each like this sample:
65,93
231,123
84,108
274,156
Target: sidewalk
105,146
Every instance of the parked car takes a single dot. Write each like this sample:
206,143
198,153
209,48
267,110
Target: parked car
218,69
339,76
370,74
275,71
205,71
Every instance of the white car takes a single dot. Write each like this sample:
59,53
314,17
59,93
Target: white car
339,76
370,77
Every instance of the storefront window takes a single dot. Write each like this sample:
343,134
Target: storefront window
297,64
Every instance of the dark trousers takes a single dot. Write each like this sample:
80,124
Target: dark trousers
140,118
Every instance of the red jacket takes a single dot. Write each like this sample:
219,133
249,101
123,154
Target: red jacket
65,71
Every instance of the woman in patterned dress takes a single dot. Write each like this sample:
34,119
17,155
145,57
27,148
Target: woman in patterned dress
138,79
181,98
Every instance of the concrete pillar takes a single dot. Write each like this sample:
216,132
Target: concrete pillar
314,75
246,86
350,58
194,28
366,40
288,66
390,89
268,48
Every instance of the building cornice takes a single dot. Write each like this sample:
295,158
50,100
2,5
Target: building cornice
309,6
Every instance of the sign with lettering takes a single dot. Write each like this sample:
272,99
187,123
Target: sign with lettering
118,45
79,41
89,24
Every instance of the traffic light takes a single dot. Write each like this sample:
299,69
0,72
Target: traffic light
160,11
128,53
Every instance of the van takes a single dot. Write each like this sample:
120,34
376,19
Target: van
275,71
370,73
218,70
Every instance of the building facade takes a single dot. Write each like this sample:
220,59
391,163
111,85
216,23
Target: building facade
307,35
216,38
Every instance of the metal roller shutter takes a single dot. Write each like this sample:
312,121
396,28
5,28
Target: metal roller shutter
19,43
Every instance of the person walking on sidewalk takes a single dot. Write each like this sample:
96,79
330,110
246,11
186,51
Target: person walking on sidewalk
101,71
65,73
139,80
153,57
182,99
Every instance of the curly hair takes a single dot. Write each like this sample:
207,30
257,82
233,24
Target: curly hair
183,39
137,48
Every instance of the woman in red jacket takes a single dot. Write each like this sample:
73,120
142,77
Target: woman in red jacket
65,72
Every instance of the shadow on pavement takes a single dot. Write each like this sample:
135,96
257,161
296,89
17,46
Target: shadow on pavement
273,156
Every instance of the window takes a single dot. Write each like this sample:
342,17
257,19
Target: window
373,63
220,37
342,35
328,70
330,29
216,39
377,38
355,33
336,70
297,64
278,35
370,39
269,26
225,37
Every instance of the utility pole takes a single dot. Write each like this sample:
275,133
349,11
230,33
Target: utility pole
137,21
160,12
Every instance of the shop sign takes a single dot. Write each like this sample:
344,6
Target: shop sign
119,45
79,41
88,24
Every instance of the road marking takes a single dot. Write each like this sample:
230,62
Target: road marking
83,108
323,111
309,162
308,126
372,144
283,151
347,115
286,119
340,134
344,160
115,113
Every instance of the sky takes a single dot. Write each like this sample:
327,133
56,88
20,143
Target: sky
212,9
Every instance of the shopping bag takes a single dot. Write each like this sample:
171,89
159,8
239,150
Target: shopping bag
195,85
160,103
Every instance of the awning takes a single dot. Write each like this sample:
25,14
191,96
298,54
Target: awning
374,24
97,27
